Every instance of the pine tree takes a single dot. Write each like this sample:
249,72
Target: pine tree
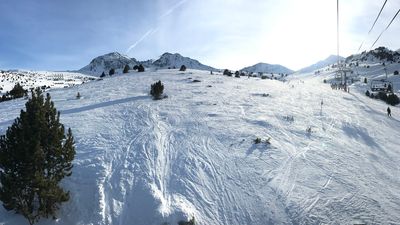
112,71
156,90
18,91
35,155
190,222
126,69
183,68
237,74
140,68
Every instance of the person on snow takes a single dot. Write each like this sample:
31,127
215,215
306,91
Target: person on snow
389,111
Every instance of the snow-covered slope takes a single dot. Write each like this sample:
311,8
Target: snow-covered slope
104,63
380,54
332,59
267,68
148,162
168,60
45,79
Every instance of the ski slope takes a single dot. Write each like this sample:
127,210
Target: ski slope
148,162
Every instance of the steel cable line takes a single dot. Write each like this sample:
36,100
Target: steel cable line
373,25
387,27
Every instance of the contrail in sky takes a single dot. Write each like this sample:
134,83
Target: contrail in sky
153,30
149,32
172,9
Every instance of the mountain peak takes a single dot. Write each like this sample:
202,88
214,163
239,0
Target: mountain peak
103,63
267,68
175,60
117,61
170,54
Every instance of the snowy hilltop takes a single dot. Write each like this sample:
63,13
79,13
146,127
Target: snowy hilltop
380,54
104,63
332,59
168,60
195,154
118,61
267,68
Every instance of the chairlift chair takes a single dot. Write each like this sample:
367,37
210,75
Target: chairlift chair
381,85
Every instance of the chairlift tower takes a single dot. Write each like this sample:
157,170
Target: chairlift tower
385,69
339,72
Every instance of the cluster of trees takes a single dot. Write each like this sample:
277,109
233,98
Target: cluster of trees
35,155
227,72
139,68
17,92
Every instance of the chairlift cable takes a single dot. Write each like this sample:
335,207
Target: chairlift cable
373,25
387,27
383,6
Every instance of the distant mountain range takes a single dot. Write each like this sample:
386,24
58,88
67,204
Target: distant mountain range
267,68
118,61
321,64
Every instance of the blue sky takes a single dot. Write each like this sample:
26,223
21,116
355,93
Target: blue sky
66,35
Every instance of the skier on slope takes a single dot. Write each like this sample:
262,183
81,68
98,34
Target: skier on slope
389,112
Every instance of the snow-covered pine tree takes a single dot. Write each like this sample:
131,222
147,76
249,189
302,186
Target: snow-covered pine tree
35,155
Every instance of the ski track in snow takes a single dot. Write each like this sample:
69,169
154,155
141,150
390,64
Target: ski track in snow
141,161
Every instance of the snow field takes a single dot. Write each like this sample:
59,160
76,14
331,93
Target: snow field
141,161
